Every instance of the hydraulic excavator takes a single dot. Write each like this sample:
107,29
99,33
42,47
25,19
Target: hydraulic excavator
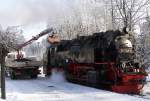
18,64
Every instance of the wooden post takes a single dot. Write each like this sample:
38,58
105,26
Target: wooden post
3,90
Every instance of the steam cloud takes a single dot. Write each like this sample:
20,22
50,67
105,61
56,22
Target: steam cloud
22,12
57,76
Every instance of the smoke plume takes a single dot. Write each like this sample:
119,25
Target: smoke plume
23,12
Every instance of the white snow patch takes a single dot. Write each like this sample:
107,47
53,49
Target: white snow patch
57,89
148,78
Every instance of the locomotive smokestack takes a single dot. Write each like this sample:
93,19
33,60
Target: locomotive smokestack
125,30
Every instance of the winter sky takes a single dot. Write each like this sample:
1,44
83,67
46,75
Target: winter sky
32,15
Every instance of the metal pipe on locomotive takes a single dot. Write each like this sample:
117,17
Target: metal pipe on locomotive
104,59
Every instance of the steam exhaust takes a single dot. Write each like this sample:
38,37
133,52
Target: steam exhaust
57,76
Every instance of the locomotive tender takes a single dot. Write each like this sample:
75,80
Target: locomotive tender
104,59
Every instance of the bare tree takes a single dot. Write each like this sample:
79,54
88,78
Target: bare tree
144,41
87,17
8,42
128,12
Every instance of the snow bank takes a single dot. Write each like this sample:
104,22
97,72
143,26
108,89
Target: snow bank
148,78
56,89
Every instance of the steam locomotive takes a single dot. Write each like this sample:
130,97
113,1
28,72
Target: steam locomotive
104,59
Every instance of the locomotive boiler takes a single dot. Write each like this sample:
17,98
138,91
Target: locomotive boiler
104,59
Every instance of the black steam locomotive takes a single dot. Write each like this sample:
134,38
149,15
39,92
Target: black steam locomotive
105,59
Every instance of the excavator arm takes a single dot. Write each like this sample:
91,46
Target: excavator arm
44,32
35,38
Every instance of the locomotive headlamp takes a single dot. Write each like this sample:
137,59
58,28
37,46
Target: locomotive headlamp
127,43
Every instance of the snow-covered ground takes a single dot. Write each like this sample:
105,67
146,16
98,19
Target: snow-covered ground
57,89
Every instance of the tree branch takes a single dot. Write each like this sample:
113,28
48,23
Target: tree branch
141,6
117,3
